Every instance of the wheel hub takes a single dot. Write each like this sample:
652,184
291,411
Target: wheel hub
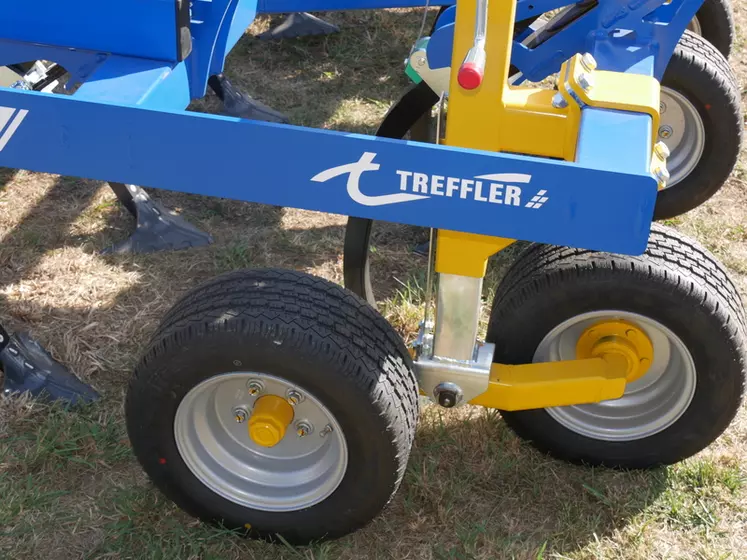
270,418
651,403
683,131
621,339
232,432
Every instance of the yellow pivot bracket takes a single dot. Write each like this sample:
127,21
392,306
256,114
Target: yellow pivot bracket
581,84
609,355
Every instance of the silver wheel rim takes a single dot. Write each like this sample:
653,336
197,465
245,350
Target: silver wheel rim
694,26
650,404
295,474
682,130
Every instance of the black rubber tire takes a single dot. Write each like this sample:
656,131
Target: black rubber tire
700,73
333,345
716,18
677,283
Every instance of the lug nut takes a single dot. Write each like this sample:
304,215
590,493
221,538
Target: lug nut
585,81
254,387
558,101
588,62
294,397
661,150
240,414
303,428
326,431
665,131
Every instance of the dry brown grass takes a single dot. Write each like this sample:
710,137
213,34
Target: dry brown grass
69,485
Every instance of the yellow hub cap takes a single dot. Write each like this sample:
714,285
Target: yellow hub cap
619,339
269,420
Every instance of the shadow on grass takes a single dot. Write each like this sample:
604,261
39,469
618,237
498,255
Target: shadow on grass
6,177
99,337
473,489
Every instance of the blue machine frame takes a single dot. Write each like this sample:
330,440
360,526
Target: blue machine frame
126,123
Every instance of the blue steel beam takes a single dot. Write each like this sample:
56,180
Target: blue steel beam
581,205
142,28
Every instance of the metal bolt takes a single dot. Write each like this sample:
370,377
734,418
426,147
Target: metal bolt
294,397
240,414
448,394
304,428
254,387
327,430
585,81
665,131
662,175
588,62
661,150
558,101
447,399
420,61
662,107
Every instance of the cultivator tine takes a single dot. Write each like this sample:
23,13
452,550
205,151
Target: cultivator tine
300,24
157,229
240,105
28,367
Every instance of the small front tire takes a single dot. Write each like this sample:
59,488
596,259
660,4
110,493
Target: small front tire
189,403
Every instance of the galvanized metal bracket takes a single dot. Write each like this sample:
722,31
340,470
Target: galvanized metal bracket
438,78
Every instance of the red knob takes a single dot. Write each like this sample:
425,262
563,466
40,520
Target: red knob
470,75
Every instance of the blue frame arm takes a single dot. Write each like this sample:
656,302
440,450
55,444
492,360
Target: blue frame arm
585,204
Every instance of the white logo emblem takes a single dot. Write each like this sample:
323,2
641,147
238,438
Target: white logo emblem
355,170
495,188
538,200
15,118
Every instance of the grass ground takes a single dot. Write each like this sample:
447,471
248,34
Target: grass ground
69,486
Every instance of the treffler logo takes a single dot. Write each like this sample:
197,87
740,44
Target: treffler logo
496,188
10,120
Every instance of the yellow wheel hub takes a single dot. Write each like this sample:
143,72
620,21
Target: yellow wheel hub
618,339
269,420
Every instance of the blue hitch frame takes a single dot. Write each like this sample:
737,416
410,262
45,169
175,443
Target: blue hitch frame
126,123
